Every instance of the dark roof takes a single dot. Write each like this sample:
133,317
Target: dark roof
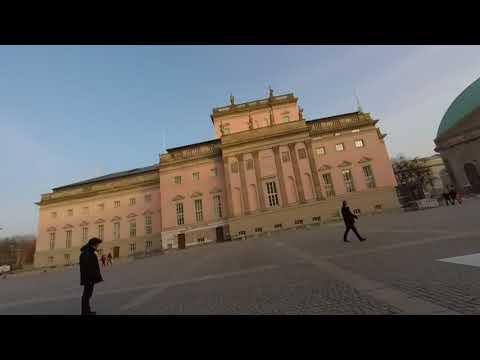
196,144
334,117
110,177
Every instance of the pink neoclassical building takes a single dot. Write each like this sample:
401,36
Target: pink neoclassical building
267,169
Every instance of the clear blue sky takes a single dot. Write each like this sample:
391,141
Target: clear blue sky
69,113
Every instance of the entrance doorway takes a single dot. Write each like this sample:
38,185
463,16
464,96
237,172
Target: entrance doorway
116,252
219,231
181,241
472,176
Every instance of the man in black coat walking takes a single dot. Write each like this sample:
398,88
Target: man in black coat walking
89,273
349,219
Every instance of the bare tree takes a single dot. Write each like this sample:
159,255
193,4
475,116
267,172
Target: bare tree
412,178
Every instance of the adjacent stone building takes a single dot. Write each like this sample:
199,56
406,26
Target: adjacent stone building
458,139
267,169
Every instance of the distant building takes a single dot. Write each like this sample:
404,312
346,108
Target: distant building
267,169
458,139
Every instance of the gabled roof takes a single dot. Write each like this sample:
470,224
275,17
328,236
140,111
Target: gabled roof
111,176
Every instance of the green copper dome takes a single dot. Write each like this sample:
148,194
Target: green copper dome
464,104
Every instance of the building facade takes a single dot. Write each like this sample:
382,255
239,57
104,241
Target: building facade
458,140
267,169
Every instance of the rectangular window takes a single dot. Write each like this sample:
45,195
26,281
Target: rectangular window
52,240
277,226
234,167
177,180
320,150
217,205
258,229
316,218
116,204
133,228
70,212
249,164
53,215
84,234
133,201
299,222
101,229
214,172
243,232
339,147
68,239
196,176
348,180
133,247
101,207
201,239
357,211
85,211
367,172
226,130
327,181
148,244
180,219
302,154
285,119
67,258
198,210
378,207
148,198
272,194
148,224
359,143
116,230
285,156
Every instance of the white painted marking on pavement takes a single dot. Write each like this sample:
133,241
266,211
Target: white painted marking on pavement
470,260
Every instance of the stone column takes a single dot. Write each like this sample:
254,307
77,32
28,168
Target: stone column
243,182
313,169
261,196
296,172
228,188
281,179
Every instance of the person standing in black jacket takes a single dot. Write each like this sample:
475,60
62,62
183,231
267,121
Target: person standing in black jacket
89,273
349,219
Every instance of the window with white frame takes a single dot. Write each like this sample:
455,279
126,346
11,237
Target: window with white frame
196,176
339,147
198,210
285,118
359,143
272,194
133,201
348,180
180,218
367,172
52,240
177,179
84,234
116,230
217,206
214,172
148,224
116,204
285,156
101,229
320,150
133,228
148,198
133,247
148,244
68,239
327,181
302,154
249,164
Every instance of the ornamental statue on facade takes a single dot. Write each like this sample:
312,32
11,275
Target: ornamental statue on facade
270,91
222,129
300,113
271,122
250,122
232,100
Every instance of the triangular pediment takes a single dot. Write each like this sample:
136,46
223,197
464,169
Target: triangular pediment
215,190
100,221
364,159
84,223
51,228
344,163
178,198
131,215
324,167
116,218
68,226
196,194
